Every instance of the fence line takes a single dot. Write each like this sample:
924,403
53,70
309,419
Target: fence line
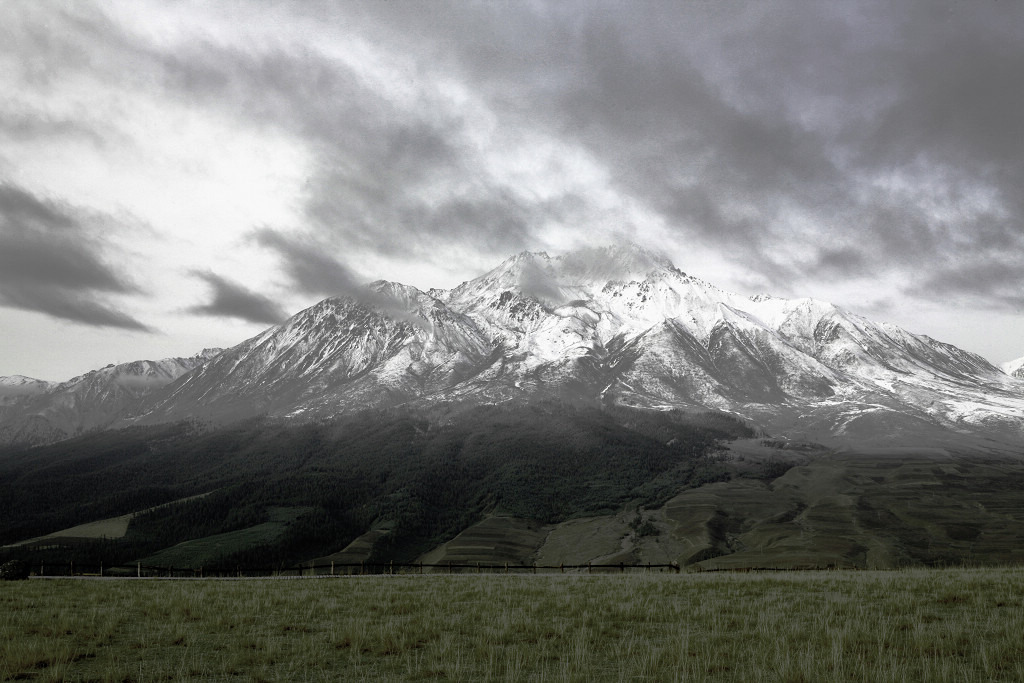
337,569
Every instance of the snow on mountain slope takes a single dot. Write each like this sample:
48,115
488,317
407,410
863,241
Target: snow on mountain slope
1014,368
394,345
610,324
728,351
53,411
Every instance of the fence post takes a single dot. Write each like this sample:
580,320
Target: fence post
534,567
391,567
589,570
41,567
421,567
101,569
72,563
360,567
506,567
561,567
138,570
332,567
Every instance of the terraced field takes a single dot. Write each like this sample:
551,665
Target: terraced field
359,550
871,509
495,540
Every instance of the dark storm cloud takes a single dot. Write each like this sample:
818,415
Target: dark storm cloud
390,178
309,265
875,126
375,161
877,136
385,177
50,264
618,81
25,211
841,261
995,282
618,78
33,260
232,300
960,99
67,305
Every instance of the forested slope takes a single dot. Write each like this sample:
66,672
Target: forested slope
425,476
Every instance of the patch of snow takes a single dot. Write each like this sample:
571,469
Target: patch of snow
1014,368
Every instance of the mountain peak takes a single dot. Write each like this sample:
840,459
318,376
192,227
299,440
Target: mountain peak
17,380
553,281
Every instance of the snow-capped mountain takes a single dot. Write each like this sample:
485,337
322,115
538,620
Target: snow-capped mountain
1014,368
18,387
36,411
616,325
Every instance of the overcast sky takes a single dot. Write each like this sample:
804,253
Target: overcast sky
178,175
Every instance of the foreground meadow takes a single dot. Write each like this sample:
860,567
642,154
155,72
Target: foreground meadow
948,625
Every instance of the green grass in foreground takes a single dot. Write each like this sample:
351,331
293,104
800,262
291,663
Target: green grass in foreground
949,625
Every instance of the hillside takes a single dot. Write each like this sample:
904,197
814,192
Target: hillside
548,482
426,477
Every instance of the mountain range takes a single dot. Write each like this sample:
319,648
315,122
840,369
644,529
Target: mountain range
35,411
599,326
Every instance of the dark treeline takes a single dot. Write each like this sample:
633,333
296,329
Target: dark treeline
427,476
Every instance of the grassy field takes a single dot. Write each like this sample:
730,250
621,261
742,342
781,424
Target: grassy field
111,527
209,549
948,625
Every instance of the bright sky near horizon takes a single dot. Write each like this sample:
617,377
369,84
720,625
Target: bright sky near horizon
175,176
